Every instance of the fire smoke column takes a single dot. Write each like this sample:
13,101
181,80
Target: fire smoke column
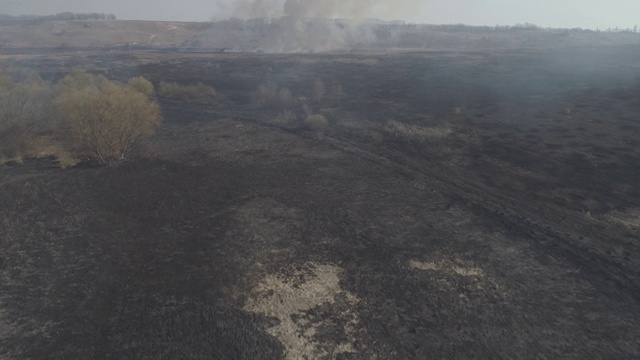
352,9
308,25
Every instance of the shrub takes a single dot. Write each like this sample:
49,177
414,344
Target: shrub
318,90
142,85
287,117
103,119
316,122
285,96
198,92
337,94
65,159
308,111
267,91
23,112
264,95
22,104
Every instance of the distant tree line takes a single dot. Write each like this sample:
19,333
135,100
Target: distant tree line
65,16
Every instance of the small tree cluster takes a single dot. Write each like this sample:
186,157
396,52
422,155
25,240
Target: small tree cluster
83,116
23,110
298,111
104,118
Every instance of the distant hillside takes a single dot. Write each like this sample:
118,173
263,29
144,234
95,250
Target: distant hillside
92,33
291,35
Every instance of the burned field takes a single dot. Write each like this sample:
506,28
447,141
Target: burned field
454,205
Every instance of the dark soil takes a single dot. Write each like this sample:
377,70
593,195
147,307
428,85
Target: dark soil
492,228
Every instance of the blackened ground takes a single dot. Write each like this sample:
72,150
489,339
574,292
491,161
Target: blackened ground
496,221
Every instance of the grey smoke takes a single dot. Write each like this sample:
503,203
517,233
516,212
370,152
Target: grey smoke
309,25
350,9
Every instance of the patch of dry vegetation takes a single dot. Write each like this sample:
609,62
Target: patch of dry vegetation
293,305
285,96
629,218
287,117
417,132
103,118
297,110
316,122
319,90
267,92
337,94
197,92
24,107
82,117
142,85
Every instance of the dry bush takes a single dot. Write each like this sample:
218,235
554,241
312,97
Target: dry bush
287,117
285,97
28,145
308,111
79,79
318,90
64,158
337,94
198,92
102,119
23,113
264,95
416,132
142,85
316,122
267,91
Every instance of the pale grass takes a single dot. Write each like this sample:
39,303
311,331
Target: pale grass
446,266
278,297
41,147
629,218
417,132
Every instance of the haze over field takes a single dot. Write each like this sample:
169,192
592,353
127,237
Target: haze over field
546,13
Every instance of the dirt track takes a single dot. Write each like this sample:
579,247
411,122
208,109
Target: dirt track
503,229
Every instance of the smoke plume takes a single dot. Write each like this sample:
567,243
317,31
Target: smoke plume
350,9
309,25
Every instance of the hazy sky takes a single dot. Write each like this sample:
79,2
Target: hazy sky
555,13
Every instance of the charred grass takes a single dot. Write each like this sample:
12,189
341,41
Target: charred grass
434,216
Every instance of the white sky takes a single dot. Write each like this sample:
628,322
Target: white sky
554,13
